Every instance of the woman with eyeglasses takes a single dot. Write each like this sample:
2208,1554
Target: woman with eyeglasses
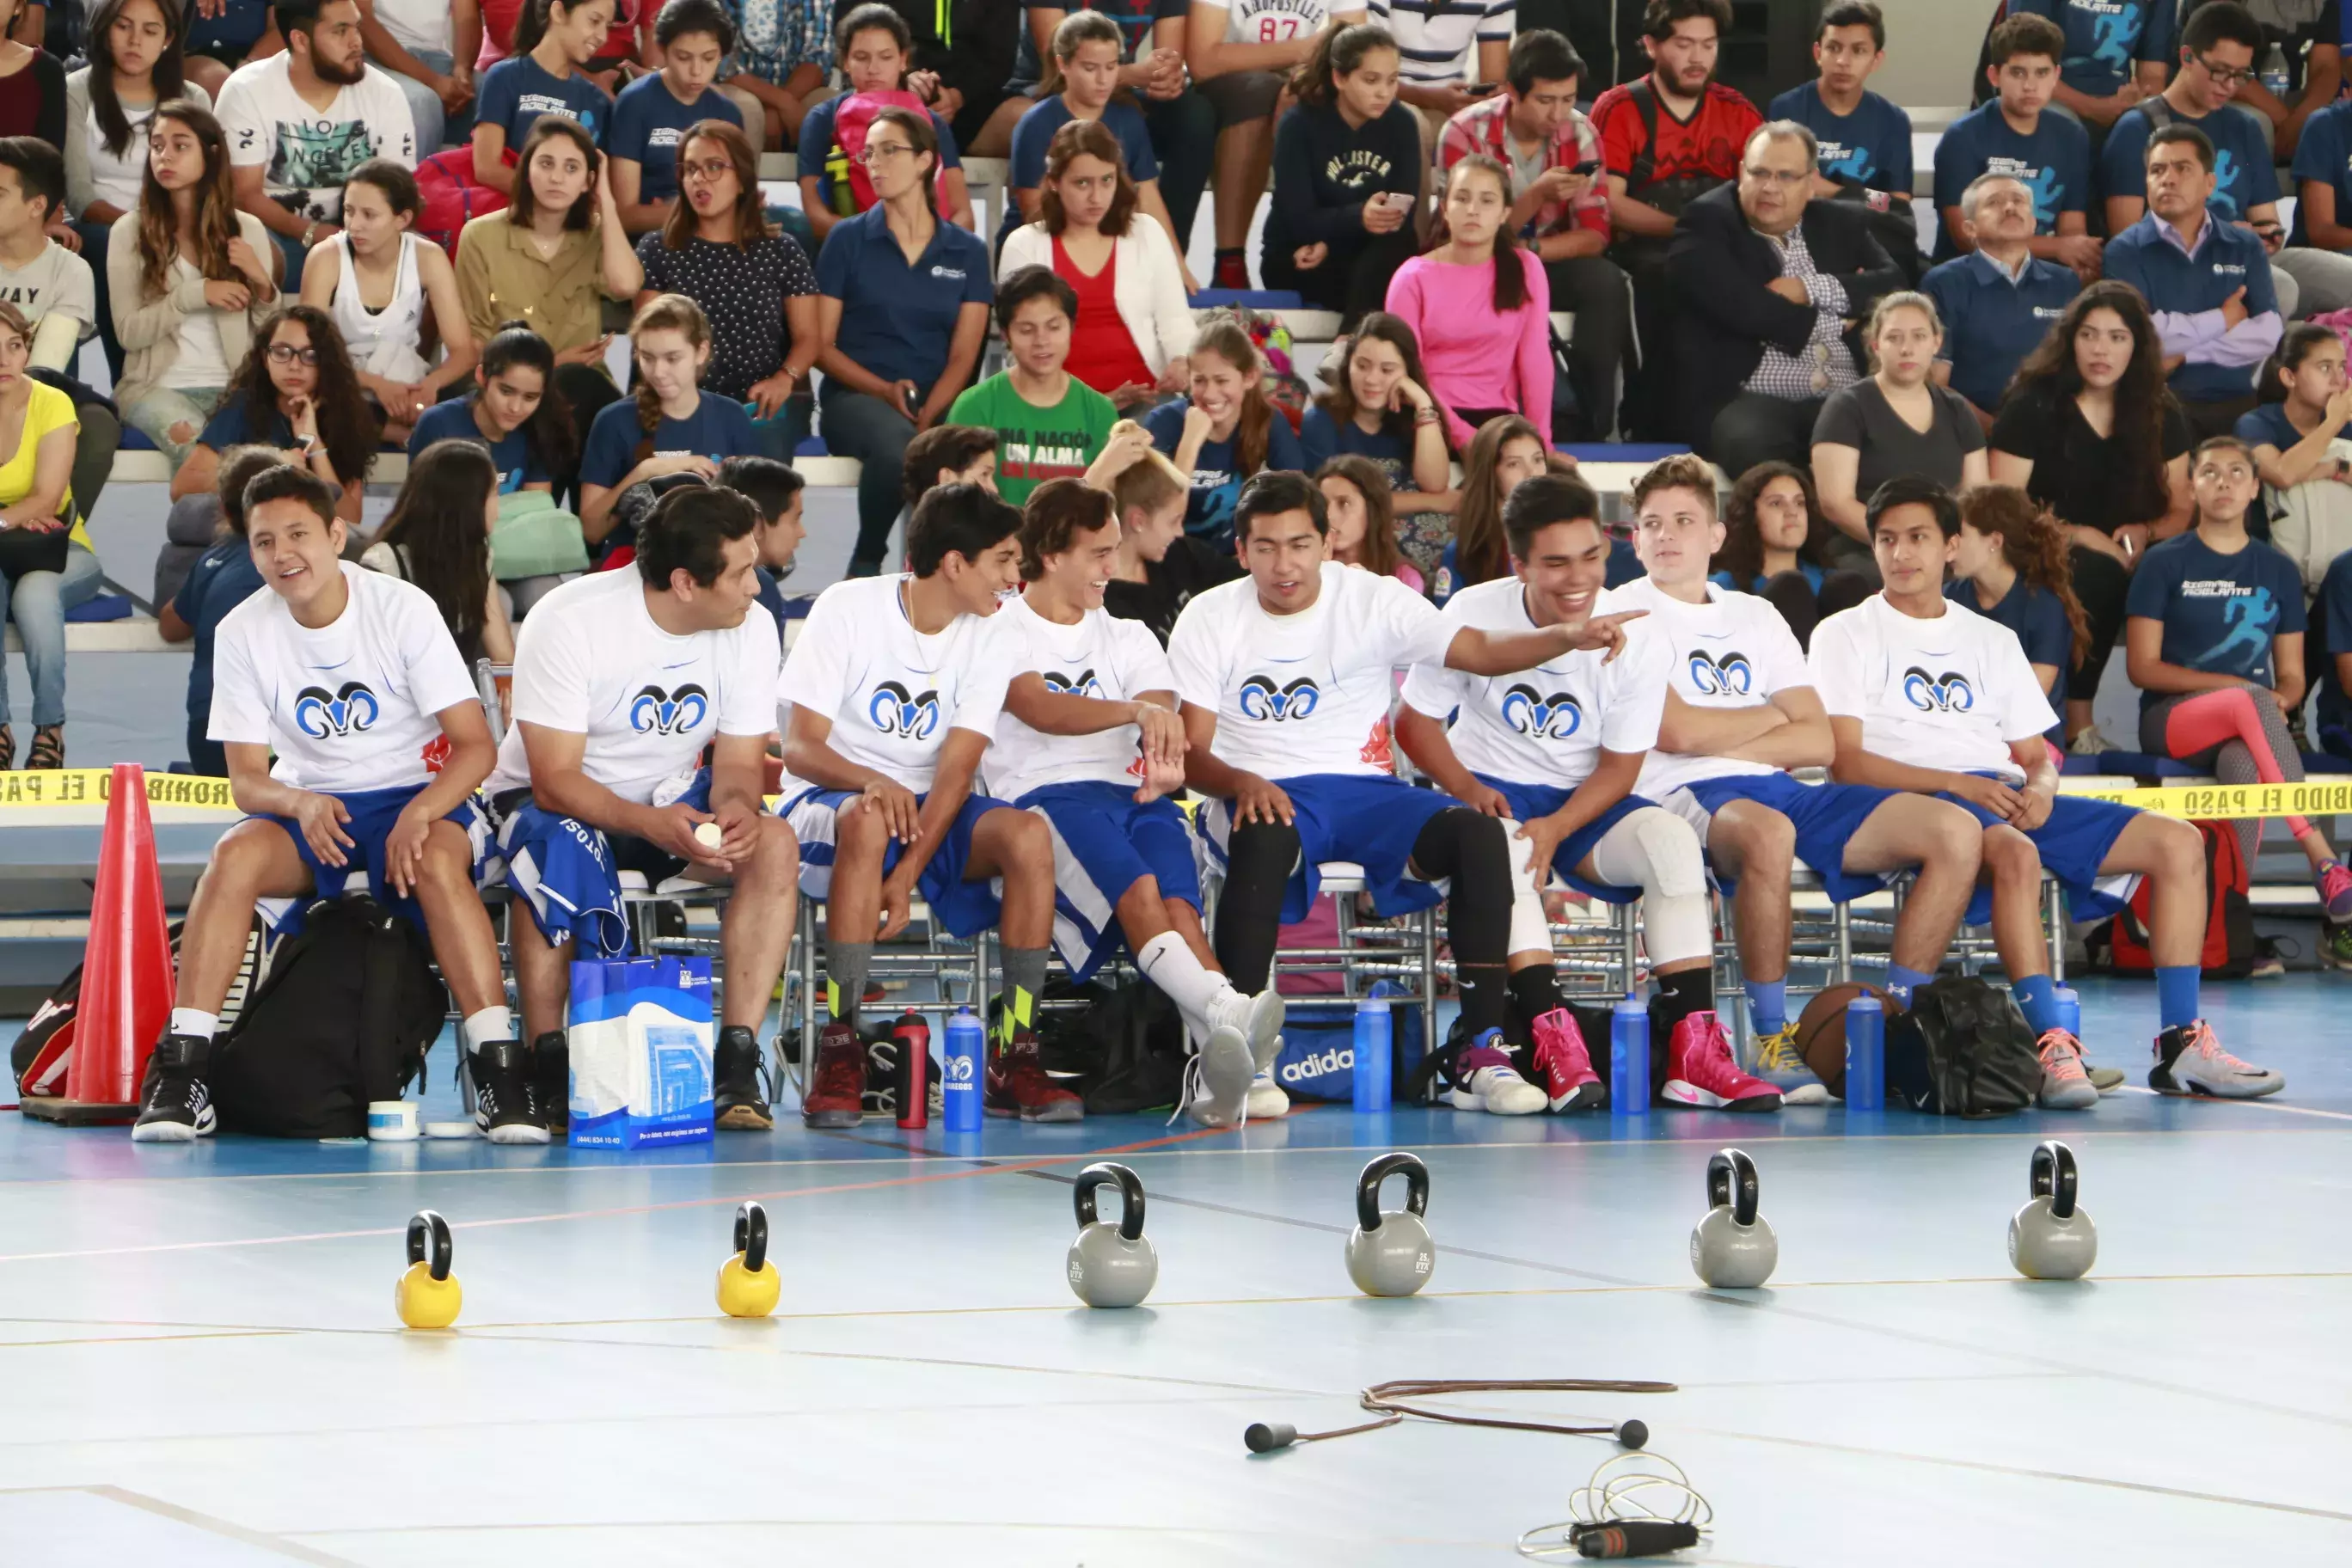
296,391
902,312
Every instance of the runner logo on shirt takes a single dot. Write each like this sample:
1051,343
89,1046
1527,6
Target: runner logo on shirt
1552,718
1262,699
1080,685
322,714
1729,675
897,712
660,712
1952,694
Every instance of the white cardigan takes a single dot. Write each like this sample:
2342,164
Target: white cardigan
1150,290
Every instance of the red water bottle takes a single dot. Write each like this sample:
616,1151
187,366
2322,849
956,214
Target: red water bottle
912,1037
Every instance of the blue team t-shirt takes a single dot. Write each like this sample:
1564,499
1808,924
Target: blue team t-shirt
1322,438
1871,147
2335,612
899,321
229,36
222,579
236,423
2107,40
648,122
1136,19
717,429
2054,163
2244,176
816,142
2219,612
517,460
518,90
1035,133
2039,621
1216,486
2266,425
2324,156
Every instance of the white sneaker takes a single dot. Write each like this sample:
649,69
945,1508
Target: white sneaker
1265,1097
1496,1086
1218,1079
1258,1017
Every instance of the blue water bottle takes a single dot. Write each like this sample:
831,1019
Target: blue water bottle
1374,1058
960,1089
1865,1053
1629,1057
2070,1010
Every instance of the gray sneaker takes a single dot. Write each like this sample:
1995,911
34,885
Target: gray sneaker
1217,1080
2189,1060
2064,1084
1778,1064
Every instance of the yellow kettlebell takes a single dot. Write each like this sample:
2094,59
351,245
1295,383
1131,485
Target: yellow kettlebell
748,1283
428,1295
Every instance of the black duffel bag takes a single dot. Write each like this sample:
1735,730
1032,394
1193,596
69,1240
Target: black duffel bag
1962,1050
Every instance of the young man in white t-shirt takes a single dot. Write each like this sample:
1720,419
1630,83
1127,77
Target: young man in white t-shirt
1909,674
1742,712
354,681
1557,748
1285,678
298,124
1091,741
895,686
621,680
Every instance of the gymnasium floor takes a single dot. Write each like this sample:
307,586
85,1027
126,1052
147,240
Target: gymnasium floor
202,1366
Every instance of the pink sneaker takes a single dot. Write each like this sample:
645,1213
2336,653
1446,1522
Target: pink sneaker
1564,1065
1703,1074
2336,890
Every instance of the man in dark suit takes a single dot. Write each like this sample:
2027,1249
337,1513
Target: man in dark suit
1771,286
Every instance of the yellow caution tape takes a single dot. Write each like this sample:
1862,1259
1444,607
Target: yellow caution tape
2314,797
91,786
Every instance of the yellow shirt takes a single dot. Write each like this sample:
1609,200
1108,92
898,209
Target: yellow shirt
49,410
501,276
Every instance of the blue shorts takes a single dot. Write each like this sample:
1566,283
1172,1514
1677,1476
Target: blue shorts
568,873
1103,844
374,815
1371,821
2073,843
1532,801
962,908
1825,816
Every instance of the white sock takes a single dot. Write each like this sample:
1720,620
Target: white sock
191,1021
1170,964
488,1026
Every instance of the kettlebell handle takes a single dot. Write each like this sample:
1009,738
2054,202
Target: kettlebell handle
1368,1187
428,1237
1130,1194
2053,1177
1731,1181
752,1235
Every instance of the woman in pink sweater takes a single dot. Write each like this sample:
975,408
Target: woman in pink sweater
1486,346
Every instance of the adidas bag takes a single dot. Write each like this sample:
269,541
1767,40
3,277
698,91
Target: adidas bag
1962,1050
1319,1050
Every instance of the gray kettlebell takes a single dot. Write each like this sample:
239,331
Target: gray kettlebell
2050,1239
1111,1265
1392,1254
1733,1248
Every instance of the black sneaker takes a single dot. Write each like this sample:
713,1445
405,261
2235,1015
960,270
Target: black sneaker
551,1077
176,1107
505,1100
740,1099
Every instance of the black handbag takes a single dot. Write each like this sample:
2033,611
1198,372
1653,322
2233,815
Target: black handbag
1963,1050
24,550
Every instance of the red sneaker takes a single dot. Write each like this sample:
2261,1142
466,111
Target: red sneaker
1703,1074
835,1096
1563,1065
1018,1085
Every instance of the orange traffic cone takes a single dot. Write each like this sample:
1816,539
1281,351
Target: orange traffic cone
126,972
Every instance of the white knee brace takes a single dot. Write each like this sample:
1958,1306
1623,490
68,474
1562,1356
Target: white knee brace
1656,851
1530,931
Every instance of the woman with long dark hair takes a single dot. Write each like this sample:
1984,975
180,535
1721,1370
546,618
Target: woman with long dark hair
1082,85
383,285
296,390
2306,410
1480,304
1507,449
46,565
1774,536
2089,431
1376,405
670,426
1361,511
438,537
553,40
1347,177
2011,565
1222,431
187,276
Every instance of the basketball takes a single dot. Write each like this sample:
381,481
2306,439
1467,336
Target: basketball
1820,1030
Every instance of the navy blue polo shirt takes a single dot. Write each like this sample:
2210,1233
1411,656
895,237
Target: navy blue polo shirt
2219,612
896,320
2054,163
815,144
518,463
2267,424
2039,621
234,423
518,90
1990,324
2108,40
717,429
648,122
2227,259
2324,157
2244,176
1871,147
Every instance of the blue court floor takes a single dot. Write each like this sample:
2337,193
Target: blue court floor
202,1364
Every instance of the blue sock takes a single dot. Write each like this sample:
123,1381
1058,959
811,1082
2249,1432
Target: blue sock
2176,995
2038,999
1768,1006
1902,982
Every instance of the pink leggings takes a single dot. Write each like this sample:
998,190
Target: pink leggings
2244,735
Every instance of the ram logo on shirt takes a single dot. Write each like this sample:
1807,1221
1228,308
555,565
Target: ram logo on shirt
1950,694
1083,684
657,713
322,714
1730,676
1263,699
1530,713
895,711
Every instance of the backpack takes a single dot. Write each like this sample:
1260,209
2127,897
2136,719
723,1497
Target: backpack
2121,945
849,188
448,197
1125,1047
350,1007
1962,1050
43,1053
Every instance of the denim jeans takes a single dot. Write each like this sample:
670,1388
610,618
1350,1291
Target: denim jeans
434,123
94,238
855,424
156,410
39,601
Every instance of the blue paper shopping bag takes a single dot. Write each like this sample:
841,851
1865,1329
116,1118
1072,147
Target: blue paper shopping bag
639,1031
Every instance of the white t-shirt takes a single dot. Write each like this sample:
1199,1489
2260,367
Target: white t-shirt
349,707
57,282
1435,43
591,661
1306,693
306,155
1101,655
1548,725
1280,21
203,358
1952,693
416,25
1734,651
892,692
